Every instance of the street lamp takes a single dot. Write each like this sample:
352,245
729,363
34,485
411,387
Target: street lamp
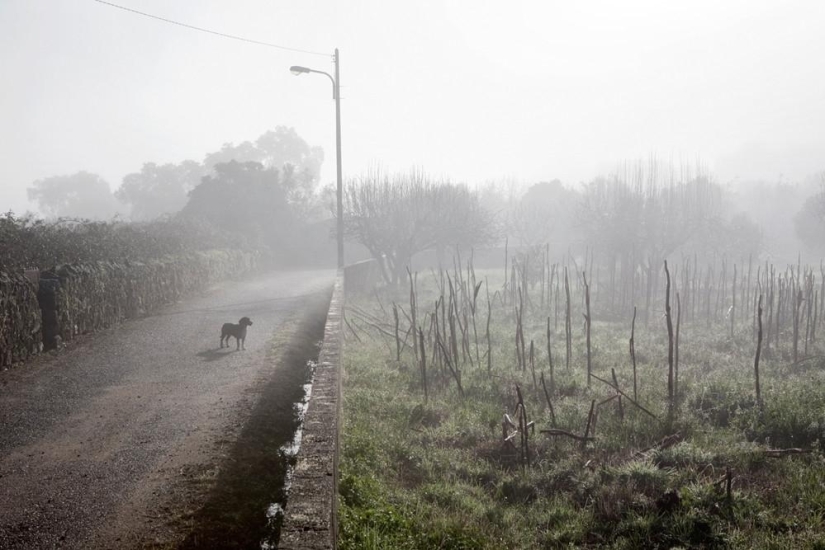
336,95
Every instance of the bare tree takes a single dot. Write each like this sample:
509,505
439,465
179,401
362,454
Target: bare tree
398,216
645,212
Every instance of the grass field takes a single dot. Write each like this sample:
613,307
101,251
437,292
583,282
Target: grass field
719,470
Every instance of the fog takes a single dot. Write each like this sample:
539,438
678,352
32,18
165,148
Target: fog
476,93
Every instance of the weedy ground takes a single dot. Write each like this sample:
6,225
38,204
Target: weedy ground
438,473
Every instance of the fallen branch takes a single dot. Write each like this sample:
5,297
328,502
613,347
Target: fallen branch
530,425
555,431
779,453
378,299
370,324
626,396
664,443
365,314
806,359
346,321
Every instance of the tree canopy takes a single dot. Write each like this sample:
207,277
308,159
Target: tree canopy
809,222
80,195
397,216
244,198
284,150
159,189
648,212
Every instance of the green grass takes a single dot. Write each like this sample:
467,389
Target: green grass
437,475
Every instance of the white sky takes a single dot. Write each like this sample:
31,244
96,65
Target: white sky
474,90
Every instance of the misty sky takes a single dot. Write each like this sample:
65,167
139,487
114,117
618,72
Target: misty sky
473,90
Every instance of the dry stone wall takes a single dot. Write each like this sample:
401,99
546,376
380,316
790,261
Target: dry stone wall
20,321
75,299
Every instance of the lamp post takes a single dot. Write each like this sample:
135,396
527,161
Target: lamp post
336,95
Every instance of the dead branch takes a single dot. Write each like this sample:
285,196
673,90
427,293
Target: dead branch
556,431
352,330
664,443
779,453
631,400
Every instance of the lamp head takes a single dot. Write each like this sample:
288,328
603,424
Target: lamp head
297,70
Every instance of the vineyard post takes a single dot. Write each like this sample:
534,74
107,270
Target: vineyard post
587,325
669,342
633,352
758,351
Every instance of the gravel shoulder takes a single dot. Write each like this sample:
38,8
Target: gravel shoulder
116,441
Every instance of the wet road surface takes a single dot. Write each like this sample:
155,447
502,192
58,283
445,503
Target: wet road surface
104,444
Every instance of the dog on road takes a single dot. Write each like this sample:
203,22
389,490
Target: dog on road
237,331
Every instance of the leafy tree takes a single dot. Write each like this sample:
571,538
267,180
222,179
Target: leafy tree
647,213
159,189
248,199
545,213
399,216
809,222
282,149
737,237
637,219
80,195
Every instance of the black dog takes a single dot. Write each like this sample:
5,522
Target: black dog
238,331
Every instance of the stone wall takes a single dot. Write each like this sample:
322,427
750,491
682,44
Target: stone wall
361,277
75,299
20,319
311,518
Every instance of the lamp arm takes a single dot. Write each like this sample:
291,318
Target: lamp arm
331,79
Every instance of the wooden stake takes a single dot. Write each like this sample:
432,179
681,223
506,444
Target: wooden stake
633,350
550,358
758,352
587,325
589,421
669,342
549,403
423,363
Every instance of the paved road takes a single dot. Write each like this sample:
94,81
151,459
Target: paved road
93,440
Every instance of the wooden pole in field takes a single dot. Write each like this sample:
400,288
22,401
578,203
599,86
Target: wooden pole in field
669,322
676,348
423,363
568,329
587,321
758,352
733,306
550,358
633,352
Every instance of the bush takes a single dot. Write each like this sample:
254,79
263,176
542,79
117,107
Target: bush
35,243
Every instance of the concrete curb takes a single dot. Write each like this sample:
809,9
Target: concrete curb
311,516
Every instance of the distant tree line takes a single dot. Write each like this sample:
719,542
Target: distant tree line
633,218
263,194
809,222
158,190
